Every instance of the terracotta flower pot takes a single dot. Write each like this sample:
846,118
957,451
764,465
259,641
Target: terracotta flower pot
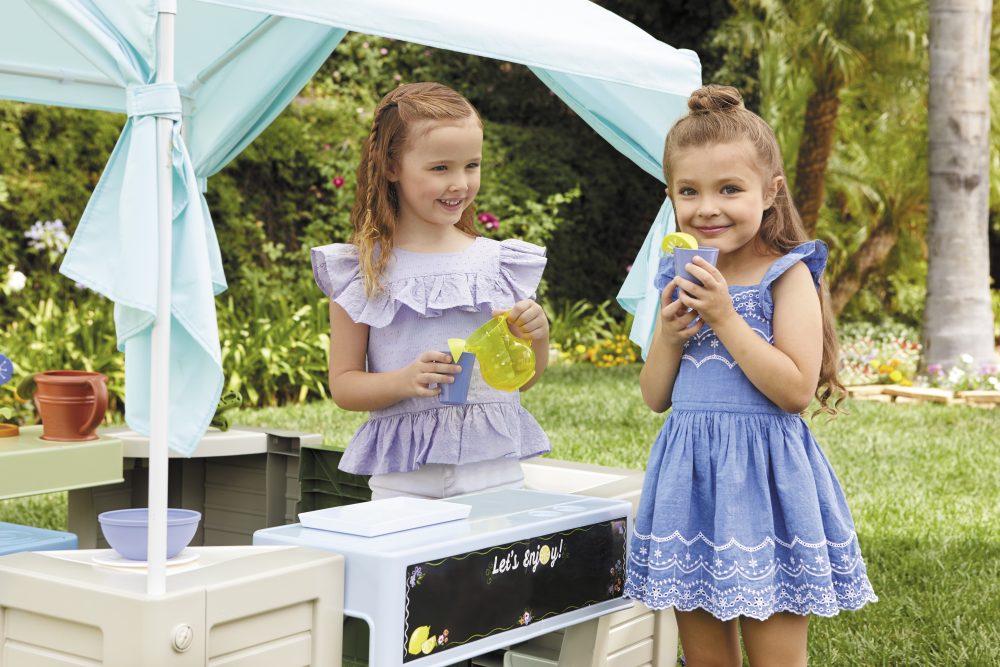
9,430
71,404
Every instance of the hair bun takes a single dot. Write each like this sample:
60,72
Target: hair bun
715,98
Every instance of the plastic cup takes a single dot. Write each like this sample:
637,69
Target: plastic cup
457,392
684,256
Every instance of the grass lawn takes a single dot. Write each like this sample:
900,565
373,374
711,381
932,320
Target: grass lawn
923,482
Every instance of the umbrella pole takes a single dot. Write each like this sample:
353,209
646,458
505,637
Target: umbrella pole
156,580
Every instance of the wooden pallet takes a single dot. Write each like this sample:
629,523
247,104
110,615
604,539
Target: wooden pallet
980,398
894,393
868,392
926,394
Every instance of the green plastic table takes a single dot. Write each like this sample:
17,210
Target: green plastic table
30,465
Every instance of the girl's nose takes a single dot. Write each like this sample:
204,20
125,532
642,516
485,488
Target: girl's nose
708,210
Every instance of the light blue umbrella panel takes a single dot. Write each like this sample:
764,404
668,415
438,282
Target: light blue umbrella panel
238,64
628,86
235,72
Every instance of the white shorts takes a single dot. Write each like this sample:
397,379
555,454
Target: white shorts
435,480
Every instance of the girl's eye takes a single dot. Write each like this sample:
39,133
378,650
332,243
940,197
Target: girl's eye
687,192
472,165
730,190
439,167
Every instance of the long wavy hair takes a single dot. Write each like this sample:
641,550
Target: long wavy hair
376,203
716,115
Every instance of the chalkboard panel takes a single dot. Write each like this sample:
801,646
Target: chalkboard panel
462,598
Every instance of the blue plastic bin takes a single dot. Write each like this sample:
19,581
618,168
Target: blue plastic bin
15,538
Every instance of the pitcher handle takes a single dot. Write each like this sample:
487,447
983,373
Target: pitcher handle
100,389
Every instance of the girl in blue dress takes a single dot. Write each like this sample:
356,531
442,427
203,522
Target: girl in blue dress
742,527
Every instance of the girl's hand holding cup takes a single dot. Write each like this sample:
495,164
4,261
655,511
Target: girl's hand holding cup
711,298
431,367
676,319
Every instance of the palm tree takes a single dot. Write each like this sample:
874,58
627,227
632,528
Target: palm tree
958,318
829,43
878,187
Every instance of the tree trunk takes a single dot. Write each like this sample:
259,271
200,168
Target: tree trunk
814,151
866,259
958,317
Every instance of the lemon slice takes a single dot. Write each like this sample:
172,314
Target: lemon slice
679,240
456,346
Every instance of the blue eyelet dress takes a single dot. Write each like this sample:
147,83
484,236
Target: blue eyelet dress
741,513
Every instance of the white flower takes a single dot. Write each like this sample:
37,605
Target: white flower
15,279
966,359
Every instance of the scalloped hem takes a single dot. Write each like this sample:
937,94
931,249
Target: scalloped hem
812,608
779,609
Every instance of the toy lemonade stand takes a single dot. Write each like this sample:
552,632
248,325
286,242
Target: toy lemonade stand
199,80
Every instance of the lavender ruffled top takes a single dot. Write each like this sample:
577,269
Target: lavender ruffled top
429,298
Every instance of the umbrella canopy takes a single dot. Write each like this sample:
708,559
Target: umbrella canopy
238,63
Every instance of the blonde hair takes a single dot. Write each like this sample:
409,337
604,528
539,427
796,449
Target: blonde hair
716,115
376,204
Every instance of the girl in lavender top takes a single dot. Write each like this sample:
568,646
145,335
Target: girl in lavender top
416,275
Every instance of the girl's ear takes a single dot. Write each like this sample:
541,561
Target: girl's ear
392,172
776,184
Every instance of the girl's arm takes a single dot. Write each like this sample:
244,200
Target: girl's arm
787,372
673,328
354,388
527,320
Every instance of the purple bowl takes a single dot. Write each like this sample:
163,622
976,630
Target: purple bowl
127,530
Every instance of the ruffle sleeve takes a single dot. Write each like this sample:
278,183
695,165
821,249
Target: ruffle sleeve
812,253
521,266
664,272
336,271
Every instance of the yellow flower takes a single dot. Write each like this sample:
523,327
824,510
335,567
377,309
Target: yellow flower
580,348
895,376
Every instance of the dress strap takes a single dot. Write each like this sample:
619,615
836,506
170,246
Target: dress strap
812,253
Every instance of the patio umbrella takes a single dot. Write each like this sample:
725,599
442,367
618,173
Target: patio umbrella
223,71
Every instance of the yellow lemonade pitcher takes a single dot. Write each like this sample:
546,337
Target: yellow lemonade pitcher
506,361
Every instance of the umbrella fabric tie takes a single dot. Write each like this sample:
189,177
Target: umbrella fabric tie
153,99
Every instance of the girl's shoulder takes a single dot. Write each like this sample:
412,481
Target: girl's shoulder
813,254
488,273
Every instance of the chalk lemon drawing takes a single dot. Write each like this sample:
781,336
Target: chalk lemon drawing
418,638
543,554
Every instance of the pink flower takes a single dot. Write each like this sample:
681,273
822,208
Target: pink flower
326,147
935,369
384,51
338,181
488,220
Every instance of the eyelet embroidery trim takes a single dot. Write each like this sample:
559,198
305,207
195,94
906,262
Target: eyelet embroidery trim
737,580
